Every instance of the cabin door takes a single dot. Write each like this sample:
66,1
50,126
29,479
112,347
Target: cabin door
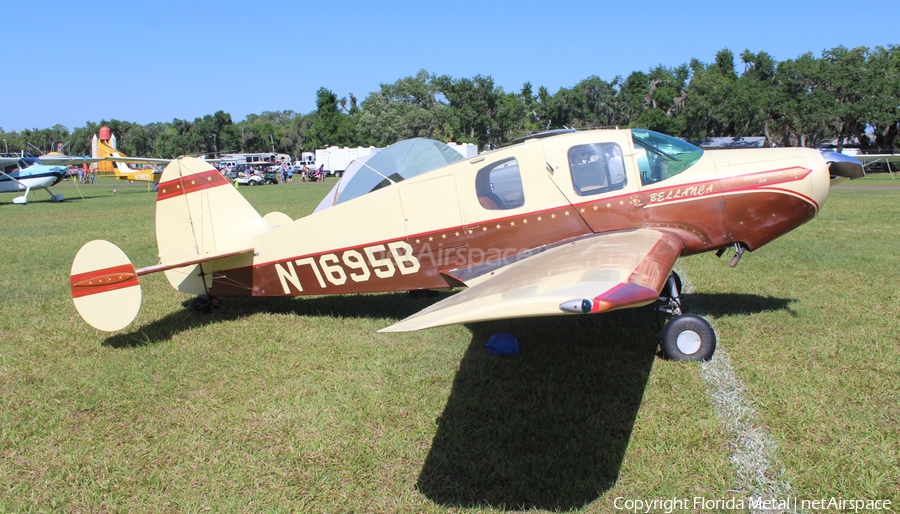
599,180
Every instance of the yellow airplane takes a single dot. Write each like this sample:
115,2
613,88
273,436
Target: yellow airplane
563,223
123,172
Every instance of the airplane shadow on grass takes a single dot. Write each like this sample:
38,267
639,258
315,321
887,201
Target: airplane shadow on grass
390,306
547,428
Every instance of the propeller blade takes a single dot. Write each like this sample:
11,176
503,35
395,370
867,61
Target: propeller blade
840,165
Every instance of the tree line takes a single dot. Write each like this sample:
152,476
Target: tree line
843,95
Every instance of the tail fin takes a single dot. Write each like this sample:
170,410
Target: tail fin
198,212
122,171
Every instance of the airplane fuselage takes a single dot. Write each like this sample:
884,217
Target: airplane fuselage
30,176
465,220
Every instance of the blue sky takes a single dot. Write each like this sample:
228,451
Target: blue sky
73,62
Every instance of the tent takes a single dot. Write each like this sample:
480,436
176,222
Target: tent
397,162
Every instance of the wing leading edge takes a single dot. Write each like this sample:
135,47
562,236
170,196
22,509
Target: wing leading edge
611,271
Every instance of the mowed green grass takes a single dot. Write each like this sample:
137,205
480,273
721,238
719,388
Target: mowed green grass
299,405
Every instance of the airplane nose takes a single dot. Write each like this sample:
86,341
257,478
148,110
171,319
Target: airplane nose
820,179
836,168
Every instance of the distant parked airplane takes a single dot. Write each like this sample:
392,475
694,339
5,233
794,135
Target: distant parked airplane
24,172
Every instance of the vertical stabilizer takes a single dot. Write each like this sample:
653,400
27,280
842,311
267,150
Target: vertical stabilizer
198,212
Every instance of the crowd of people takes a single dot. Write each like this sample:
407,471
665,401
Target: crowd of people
84,176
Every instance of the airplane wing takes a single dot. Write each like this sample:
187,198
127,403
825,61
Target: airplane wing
600,273
65,160
137,160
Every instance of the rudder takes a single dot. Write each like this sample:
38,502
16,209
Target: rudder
198,212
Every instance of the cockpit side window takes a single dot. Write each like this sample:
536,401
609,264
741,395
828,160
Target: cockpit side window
499,185
597,168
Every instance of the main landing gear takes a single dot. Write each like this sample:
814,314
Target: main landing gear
685,337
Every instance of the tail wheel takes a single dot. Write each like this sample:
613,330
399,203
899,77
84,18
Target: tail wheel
204,304
688,338
201,304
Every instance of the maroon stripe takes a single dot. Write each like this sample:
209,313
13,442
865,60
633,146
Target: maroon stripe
623,295
190,184
103,280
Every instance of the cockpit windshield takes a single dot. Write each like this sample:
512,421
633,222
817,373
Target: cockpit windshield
663,156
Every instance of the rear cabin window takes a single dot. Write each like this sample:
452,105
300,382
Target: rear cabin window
596,168
499,185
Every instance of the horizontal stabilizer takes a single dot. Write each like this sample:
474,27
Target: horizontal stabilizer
190,262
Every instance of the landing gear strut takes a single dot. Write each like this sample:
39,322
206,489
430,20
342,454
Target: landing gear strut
205,304
685,337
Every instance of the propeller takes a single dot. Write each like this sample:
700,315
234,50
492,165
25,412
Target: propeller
843,166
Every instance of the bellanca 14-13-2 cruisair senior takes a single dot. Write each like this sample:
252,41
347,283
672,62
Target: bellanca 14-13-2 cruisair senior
560,223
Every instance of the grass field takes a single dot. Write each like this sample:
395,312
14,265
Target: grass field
299,405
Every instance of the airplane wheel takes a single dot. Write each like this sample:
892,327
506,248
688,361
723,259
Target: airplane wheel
201,304
688,338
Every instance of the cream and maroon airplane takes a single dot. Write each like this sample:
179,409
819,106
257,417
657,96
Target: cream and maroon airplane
559,223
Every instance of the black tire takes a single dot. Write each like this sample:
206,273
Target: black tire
339,174
201,304
677,283
688,338
252,182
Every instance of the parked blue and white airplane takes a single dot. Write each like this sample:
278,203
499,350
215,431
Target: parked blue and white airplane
23,172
